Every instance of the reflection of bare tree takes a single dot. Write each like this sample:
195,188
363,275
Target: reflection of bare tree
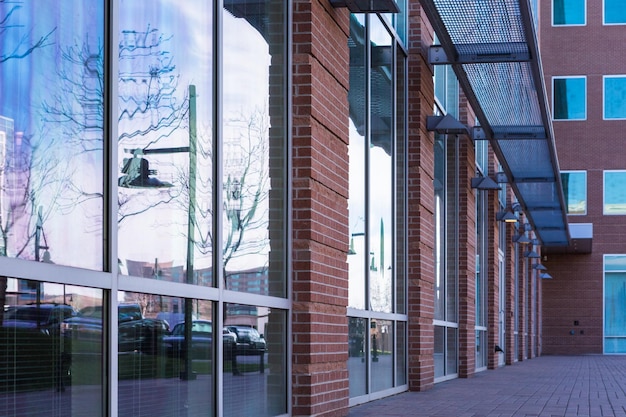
150,108
24,46
246,188
17,178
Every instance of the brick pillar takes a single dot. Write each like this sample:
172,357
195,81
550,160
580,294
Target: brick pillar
320,209
522,308
509,313
532,308
420,216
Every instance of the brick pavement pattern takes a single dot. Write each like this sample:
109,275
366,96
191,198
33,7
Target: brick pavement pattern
547,386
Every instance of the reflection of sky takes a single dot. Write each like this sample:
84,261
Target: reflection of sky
25,84
160,233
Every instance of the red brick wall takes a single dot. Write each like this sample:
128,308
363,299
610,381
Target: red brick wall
421,234
320,214
575,292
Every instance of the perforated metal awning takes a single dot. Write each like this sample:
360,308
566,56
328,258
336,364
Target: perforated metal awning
492,46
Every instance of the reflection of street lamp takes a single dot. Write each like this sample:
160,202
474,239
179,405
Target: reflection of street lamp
232,205
138,175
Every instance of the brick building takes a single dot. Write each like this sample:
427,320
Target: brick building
583,303
355,198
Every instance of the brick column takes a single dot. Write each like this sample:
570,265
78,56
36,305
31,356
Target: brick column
509,314
420,227
320,209
523,310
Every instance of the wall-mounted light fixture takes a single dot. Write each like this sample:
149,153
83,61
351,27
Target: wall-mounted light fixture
521,238
484,183
506,216
531,254
446,125
545,275
368,6
539,267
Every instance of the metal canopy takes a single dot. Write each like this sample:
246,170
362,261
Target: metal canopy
492,47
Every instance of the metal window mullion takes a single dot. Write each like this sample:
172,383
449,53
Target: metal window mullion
218,261
368,133
111,71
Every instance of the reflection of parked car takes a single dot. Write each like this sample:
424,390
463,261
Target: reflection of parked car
46,317
249,341
201,340
87,325
143,335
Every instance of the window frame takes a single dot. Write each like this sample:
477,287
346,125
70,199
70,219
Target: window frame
604,16
604,192
573,171
604,96
567,77
568,24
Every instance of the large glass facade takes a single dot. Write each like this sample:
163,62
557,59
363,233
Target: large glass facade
51,132
376,260
143,150
446,173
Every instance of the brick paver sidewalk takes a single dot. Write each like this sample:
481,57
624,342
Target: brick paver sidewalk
548,386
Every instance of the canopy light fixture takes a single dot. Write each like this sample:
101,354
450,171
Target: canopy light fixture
506,216
484,183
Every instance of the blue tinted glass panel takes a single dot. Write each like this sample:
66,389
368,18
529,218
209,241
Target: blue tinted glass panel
568,12
51,131
570,98
575,190
615,263
615,192
614,12
615,97
615,312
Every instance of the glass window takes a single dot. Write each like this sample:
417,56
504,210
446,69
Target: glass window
568,12
155,334
614,192
165,140
615,97
357,152
357,345
614,304
51,131
381,170
255,373
401,207
381,345
51,349
575,190
569,101
254,143
614,12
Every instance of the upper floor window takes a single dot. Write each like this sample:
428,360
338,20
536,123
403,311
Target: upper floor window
569,12
614,192
569,98
614,12
614,97
575,190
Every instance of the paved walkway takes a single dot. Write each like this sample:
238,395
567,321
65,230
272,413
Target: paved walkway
548,386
